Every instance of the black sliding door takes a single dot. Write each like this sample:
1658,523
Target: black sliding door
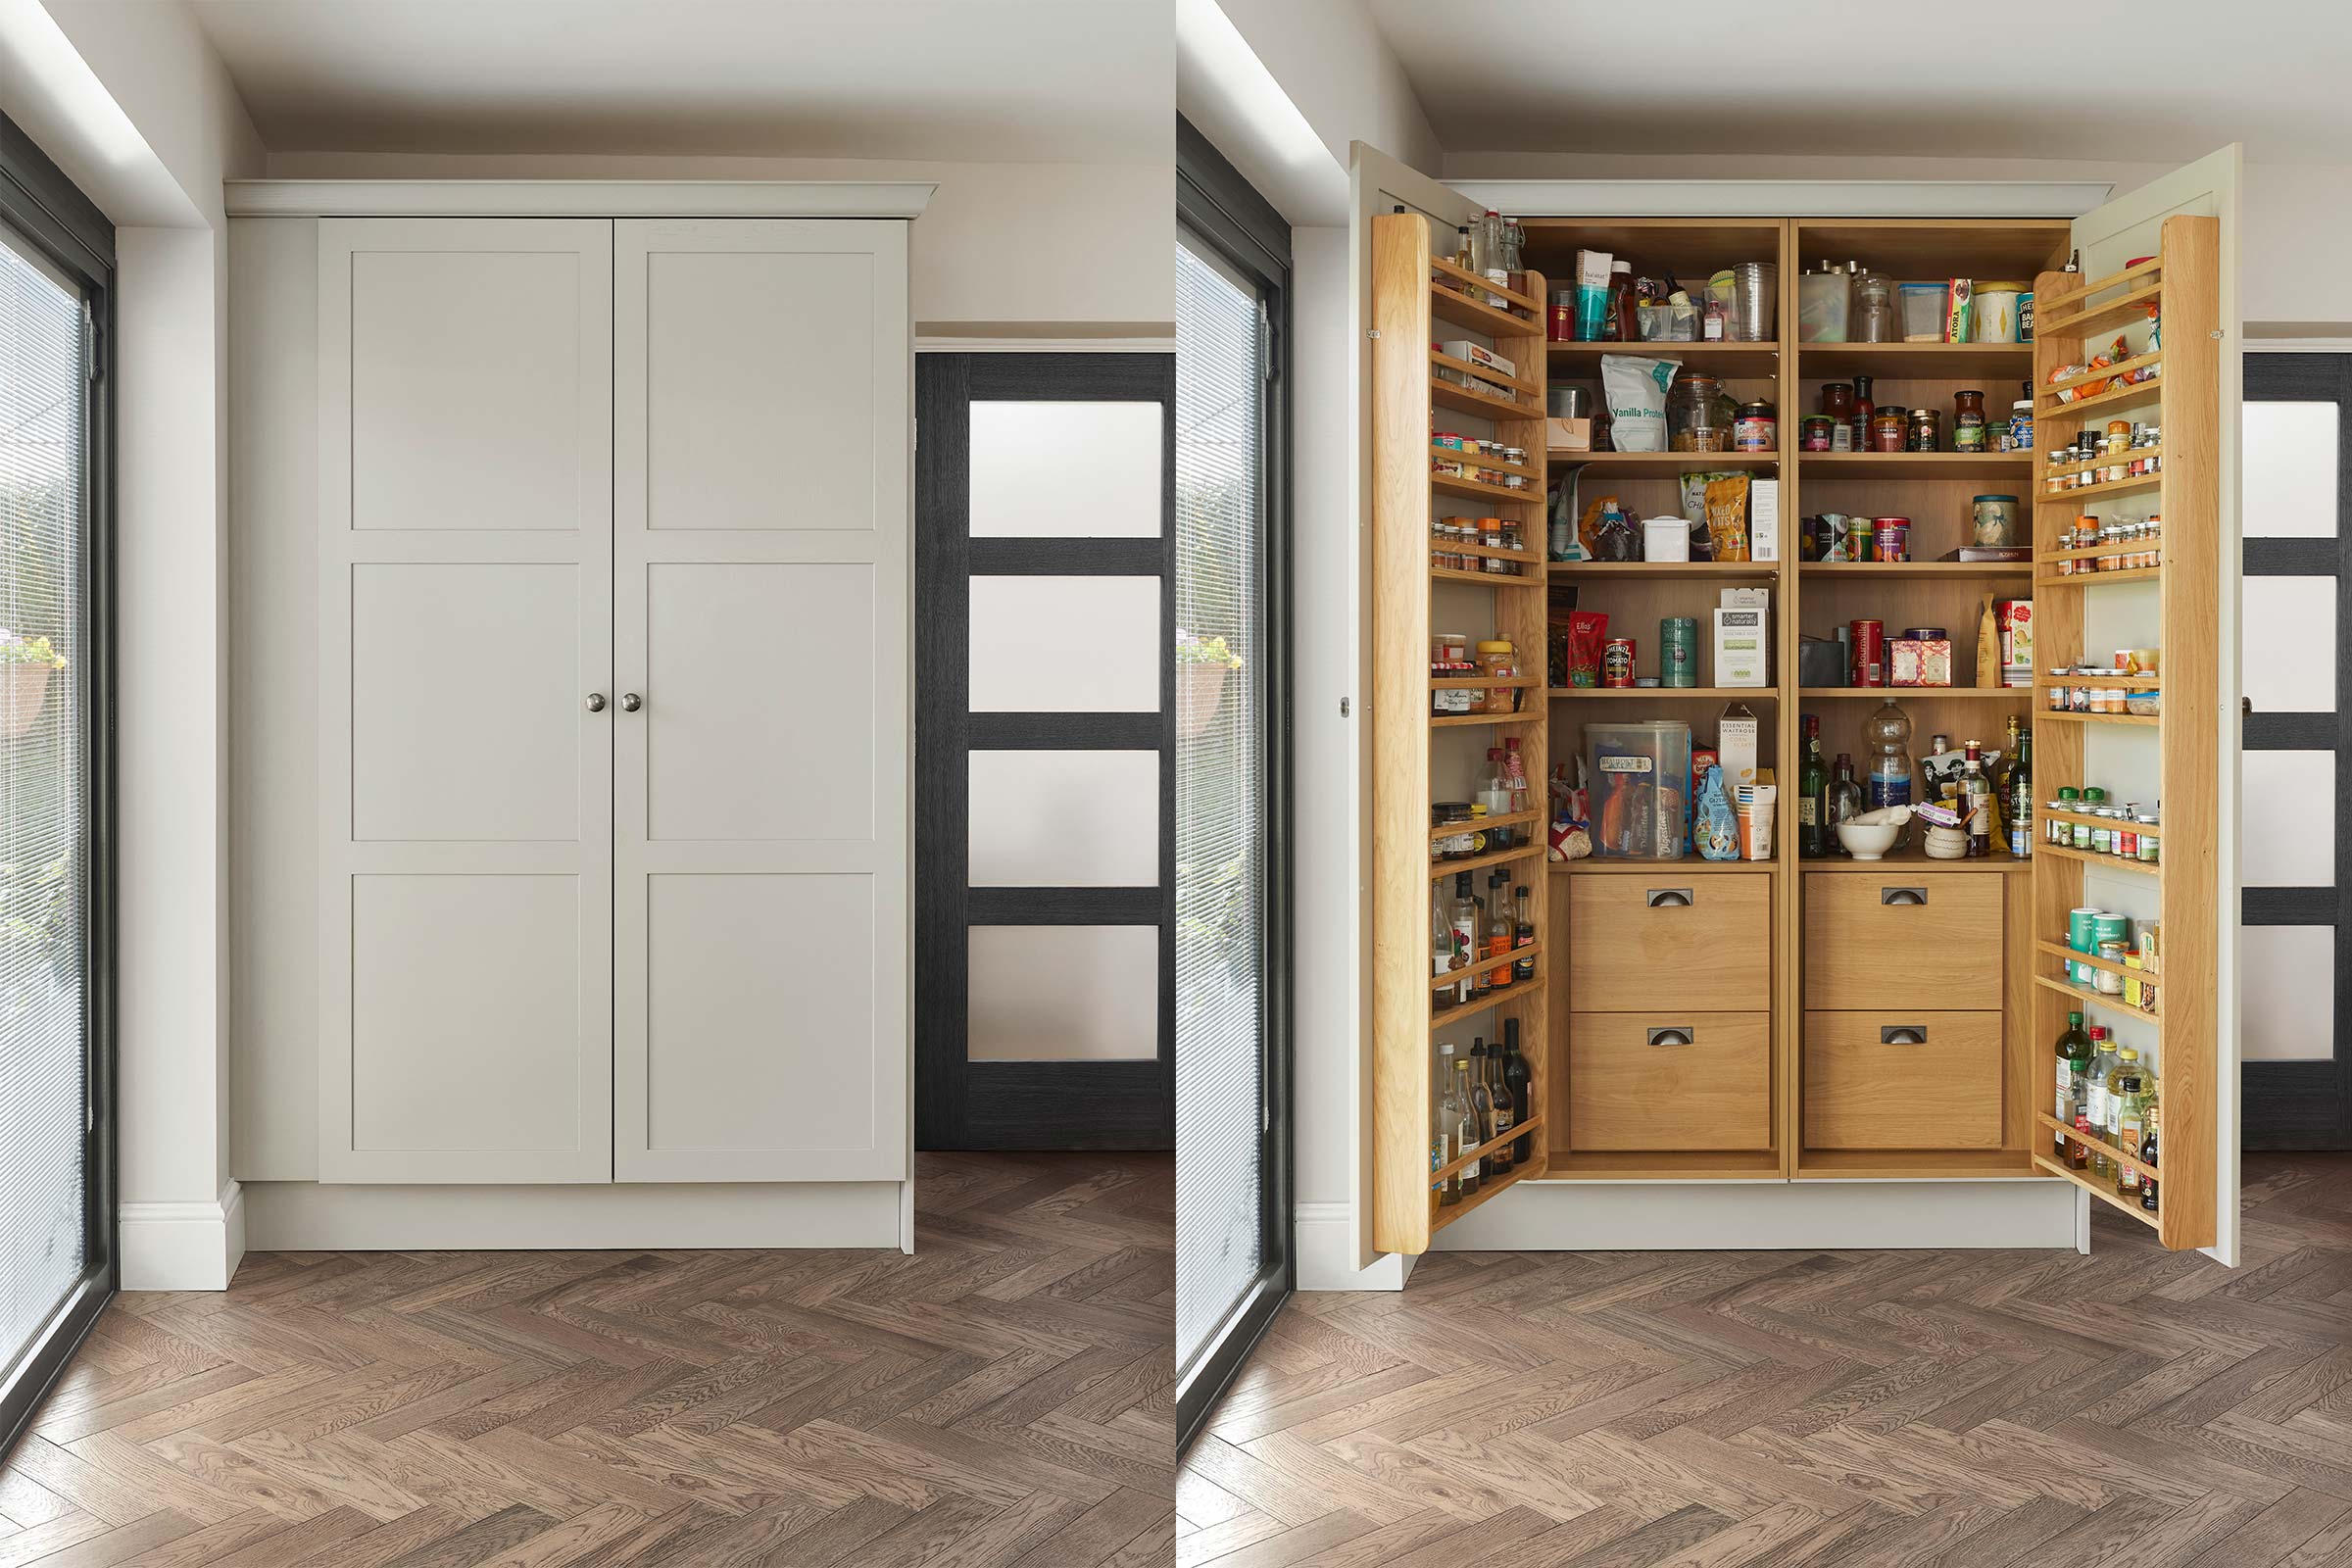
57,1215
1045,752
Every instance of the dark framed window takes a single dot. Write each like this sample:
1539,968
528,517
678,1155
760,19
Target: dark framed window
1233,1263
58,1263
2295,831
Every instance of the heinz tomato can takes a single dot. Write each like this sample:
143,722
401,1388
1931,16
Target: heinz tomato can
1617,661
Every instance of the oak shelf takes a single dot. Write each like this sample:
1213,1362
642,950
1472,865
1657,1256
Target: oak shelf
1819,694
1989,467
1471,489
2083,996
2098,1189
1481,863
2150,390
2067,851
1728,694
2122,310
1915,569
1447,1017
1918,362
1663,570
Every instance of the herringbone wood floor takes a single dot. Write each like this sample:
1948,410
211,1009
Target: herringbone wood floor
1762,1409
1001,1397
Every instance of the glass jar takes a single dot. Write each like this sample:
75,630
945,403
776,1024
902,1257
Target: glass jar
2021,426
1838,400
1886,430
1694,420
1926,430
1872,316
2119,437
2109,981
1498,660
1816,432
1968,421
2147,826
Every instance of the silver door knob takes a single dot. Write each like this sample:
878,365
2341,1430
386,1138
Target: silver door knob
596,702
631,701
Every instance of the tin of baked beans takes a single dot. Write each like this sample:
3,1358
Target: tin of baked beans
1617,661
1869,640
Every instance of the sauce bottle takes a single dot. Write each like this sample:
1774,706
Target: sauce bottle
1859,421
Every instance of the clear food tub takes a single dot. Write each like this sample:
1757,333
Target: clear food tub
1639,774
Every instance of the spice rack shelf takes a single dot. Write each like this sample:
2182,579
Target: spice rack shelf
1462,399
1486,579
1517,383
2084,995
1443,1019
2095,1144
1526,716
2096,1187
1664,464
1617,865
1498,464
1481,863
2120,311
2105,487
1488,824
2110,863
1534,1124
2105,372
1438,982
2092,579
2143,720
1442,1216
2001,862
2148,391
1472,490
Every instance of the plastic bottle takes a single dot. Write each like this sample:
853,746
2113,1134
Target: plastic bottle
1886,746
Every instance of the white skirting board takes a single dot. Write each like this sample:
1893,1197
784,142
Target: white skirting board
308,1217
1706,1216
182,1247
1324,1236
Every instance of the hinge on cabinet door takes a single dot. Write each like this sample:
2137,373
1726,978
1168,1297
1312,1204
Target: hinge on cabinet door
1371,332
1343,707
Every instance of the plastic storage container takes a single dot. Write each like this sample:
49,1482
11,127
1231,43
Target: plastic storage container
1871,317
1640,774
1923,312
1822,300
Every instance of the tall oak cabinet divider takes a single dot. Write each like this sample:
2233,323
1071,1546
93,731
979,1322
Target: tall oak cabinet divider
614,701
1793,1021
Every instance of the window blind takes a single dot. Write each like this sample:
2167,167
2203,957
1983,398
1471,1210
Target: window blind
44,498
1221,643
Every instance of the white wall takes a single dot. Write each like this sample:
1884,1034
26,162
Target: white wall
1003,250
132,102
2297,216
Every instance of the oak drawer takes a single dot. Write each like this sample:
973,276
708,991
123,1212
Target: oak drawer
1641,940
1902,1080
1904,939
1669,1079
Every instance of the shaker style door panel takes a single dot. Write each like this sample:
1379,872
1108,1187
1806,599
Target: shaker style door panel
764,731
762,952
466,740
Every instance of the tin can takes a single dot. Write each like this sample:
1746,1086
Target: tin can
2082,935
2025,316
1869,641
1678,651
1890,538
1837,536
1755,427
1617,661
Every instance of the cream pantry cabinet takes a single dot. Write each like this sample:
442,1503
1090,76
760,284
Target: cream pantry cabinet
614,701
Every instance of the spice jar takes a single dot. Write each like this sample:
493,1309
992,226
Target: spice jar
2109,981
2119,436
1926,430
1886,430
2147,824
1499,661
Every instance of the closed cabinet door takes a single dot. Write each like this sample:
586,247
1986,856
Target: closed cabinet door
464,382
762,956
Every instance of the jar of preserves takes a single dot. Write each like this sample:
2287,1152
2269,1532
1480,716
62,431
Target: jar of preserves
1838,400
1816,432
1886,430
1926,430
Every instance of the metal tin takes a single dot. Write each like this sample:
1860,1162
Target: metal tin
1678,651
1617,661
1890,538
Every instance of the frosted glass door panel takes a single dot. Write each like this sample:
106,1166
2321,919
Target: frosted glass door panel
1063,993
2287,839
2289,468
1078,819
759,698
2289,628
466,1022
1066,645
759,395
759,1014
468,389
467,701
2287,992
1066,471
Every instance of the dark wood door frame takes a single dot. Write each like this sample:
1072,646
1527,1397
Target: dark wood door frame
961,1104
2308,1104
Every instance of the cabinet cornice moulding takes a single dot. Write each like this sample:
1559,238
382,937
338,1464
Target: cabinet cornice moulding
1778,198
575,198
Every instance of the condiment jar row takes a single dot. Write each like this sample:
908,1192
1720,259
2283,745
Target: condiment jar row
1448,534
2122,546
1467,465
2127,832
2127,451
1451,659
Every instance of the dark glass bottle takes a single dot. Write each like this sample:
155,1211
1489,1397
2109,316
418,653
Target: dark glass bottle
1518,1078
1813,803
1859,419
2148,1156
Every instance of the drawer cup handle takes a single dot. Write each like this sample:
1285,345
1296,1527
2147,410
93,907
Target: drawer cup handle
1668,898
1902,895
1904,1034
1672,1034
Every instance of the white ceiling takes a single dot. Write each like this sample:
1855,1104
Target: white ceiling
2104,80
977,80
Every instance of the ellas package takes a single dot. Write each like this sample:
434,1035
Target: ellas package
1635,391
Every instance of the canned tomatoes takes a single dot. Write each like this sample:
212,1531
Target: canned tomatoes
1617,661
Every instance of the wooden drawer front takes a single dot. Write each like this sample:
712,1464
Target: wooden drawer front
1902,1080
1903,938
1639,940
1669,1080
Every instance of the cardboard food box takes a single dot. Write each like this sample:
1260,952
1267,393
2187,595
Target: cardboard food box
2015,618
1735,750
1919,662
1569,435
1472,353
1741,639
1764,519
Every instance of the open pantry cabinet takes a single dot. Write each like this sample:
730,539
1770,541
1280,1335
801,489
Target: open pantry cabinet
1794,1024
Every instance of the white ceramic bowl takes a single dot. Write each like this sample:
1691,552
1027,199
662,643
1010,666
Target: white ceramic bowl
1865,841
